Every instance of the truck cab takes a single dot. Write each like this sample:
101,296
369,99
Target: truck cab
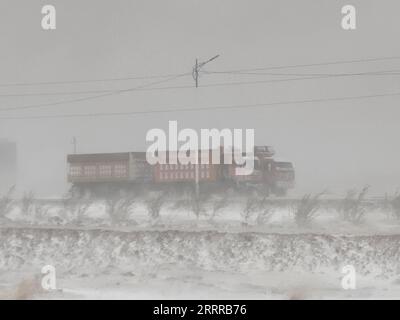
283,177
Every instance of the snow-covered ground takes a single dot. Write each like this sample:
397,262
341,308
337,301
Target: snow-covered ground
198,264
261,253
174,283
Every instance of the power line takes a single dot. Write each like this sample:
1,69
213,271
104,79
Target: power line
226,107
171,75
383,72
309,77
88,80
116,92
294,79
144,87
319,64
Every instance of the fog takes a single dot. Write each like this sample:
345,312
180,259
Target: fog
334,145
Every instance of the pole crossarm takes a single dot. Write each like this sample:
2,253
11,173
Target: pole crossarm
198,66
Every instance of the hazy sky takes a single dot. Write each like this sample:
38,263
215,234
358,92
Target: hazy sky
335,145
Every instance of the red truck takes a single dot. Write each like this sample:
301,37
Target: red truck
131,168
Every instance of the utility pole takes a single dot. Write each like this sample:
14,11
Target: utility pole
198,66
74,143
195,74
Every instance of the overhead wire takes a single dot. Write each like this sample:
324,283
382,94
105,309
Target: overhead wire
210,85
109,93
150,86
239,106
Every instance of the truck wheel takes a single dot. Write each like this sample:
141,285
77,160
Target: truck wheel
280,192
76,192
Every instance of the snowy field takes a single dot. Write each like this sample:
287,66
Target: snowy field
174,283
241,248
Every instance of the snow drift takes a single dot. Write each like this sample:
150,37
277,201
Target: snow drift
97,251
